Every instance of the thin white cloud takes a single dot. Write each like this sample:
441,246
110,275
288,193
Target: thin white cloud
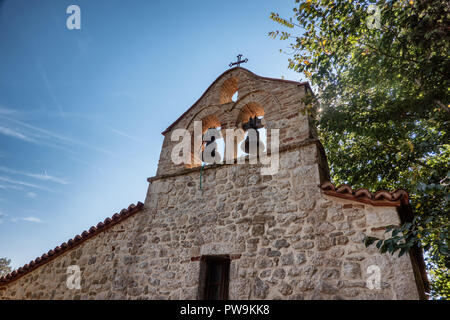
17,219
49,87
32,219
23,183
123,134
40,134
46,177
9,186
31,195
43,177
4,217
6,111
12,133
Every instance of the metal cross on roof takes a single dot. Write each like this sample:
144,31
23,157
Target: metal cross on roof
239,61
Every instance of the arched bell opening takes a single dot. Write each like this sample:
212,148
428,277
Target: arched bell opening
212,147
229,91
251,120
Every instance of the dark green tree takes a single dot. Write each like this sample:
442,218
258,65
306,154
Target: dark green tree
381,70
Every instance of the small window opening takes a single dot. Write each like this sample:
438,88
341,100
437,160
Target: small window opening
235,96
215,273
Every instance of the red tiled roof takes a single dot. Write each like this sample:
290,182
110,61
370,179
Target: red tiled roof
381,198
72,243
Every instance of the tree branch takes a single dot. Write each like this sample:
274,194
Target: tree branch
443,106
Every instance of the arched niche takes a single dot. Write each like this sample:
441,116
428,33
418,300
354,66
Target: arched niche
210,114
210,121
256,103
228,89
250,110
260,104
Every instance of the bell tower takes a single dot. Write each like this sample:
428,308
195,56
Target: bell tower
235,230
262,103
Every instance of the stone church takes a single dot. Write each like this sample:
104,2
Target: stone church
225,231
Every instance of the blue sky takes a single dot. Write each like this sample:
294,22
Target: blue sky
81,111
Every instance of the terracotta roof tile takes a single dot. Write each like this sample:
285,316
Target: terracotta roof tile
72,243
380,198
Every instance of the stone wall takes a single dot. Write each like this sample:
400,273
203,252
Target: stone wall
105,262
287,240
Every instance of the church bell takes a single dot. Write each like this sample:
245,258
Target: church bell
210,154
212,142
255,124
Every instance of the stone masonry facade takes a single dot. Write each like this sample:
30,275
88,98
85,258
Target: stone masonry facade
285,237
